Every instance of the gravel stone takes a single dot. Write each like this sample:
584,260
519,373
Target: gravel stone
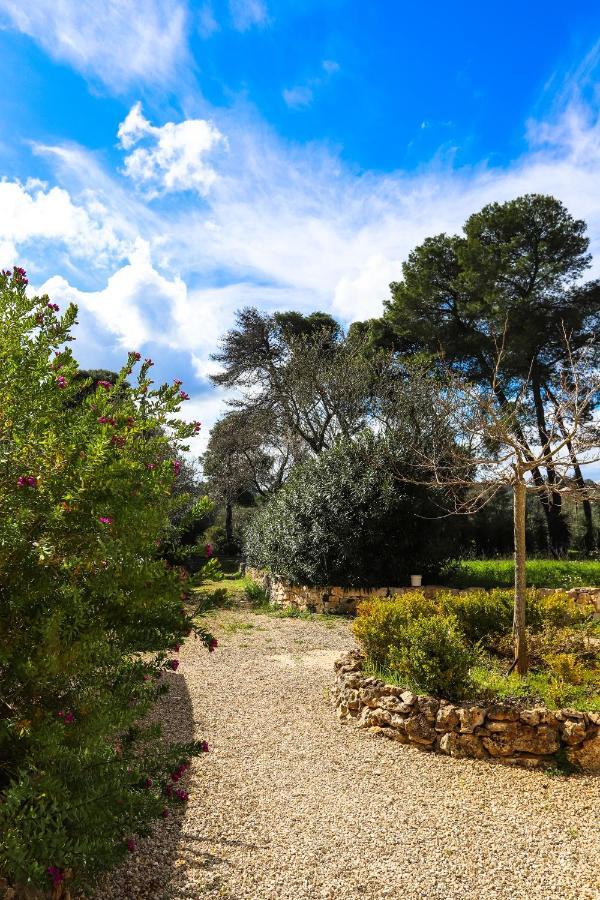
292,804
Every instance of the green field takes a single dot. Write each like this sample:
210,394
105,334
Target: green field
490,573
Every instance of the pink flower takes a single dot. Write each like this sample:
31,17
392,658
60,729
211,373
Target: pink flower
182,795
183,395
148,783
55,874
212,645
177,382
176,466
208,550
130,844
54,306
19,275
61,381
173,664
135,355
146,678
165,813
175,648
104,384
27,481
204,746
106,520
150,466
148,362
67,717
197,427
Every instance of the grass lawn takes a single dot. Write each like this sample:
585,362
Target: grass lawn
552,573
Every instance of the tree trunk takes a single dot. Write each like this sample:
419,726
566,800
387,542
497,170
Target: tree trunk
229,524
519,633
558,530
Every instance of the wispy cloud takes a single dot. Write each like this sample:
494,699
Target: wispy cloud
247,14
207,22
175,158
124,43
302,95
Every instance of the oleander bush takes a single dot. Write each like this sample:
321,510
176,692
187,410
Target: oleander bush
90,615
456,645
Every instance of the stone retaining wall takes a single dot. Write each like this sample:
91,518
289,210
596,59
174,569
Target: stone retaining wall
500,732
345,600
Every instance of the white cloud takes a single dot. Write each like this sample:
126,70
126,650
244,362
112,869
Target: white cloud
119,42
330,66
246,14
176,157
33,212
136,305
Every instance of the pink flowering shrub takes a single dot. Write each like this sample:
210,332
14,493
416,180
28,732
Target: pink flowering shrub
89,612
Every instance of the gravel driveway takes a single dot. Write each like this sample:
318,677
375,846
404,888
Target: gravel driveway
290,803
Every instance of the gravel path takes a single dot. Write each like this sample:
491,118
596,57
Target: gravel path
290,803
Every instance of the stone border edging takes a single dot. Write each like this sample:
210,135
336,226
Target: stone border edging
333,599
500,732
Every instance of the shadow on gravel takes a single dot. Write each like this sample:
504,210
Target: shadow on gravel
157,867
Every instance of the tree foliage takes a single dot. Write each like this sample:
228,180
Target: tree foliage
343,518
512,277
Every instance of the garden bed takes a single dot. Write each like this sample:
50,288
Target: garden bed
502,732
541,573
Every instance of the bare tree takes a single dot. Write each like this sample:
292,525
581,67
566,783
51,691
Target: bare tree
494,449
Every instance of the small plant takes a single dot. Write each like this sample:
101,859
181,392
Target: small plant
256,593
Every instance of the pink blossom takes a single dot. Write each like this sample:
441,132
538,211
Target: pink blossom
54,306
183,395
197,427
182,795
150,466
165,813
55,874
148,783
208,550
106,520
177,382
104,384
173,664
19,275
204,746
61,381
148,362
130,844
176,466
27,481
135,355
212,645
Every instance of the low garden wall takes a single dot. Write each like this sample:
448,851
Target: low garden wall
345,600
501,732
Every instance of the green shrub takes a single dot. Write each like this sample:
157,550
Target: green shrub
480,614
381,622
90,615
558,609
434,656
343,518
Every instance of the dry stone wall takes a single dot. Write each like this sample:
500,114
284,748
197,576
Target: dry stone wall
345,600
500,732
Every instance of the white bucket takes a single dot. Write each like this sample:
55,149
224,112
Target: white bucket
415,580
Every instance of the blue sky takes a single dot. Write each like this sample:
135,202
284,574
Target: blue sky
163,163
